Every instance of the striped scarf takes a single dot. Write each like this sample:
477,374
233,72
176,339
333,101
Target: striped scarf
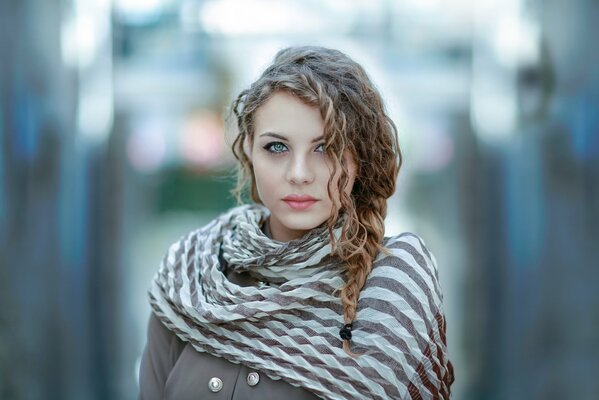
289,329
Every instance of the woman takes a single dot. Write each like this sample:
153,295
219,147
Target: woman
299,295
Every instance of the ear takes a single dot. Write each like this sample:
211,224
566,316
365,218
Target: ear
247,147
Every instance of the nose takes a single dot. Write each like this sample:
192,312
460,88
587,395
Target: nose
299,171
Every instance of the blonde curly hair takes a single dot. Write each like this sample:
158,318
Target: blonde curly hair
355,119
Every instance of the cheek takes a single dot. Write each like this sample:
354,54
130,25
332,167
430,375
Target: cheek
260,175
266,178
260,166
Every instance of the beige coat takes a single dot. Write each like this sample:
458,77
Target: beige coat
172,369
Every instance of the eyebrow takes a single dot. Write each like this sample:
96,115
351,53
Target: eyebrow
281,137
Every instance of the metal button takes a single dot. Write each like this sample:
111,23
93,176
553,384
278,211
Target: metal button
215,384
253,378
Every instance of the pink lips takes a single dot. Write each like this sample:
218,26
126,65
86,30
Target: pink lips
299,202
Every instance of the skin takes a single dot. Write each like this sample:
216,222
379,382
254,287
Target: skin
287,154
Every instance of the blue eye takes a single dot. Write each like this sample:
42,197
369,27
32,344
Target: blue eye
320,148
275,147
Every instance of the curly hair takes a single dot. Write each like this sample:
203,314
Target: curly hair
355,119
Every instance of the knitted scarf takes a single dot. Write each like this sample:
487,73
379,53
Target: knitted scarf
289,329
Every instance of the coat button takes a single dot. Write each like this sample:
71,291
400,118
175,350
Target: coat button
215,384
253,378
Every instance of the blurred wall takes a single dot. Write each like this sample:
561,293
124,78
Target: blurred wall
535,325
59,218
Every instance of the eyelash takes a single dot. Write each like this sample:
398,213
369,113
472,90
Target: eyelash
269,147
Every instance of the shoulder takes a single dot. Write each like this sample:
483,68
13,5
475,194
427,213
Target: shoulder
407,263
403,290
409,246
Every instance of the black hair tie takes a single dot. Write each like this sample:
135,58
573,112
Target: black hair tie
345,332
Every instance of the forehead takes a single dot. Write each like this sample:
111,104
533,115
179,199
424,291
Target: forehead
285,114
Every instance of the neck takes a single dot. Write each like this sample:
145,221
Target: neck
266,228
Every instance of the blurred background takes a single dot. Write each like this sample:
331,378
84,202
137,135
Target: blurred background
112,146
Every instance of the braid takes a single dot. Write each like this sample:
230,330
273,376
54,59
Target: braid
369,232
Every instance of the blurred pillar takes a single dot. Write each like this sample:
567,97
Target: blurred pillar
59,211
534,322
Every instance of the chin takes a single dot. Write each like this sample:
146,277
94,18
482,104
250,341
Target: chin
302,222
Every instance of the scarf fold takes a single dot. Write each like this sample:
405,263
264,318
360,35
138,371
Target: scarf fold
290,329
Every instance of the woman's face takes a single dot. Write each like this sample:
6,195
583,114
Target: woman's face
290,167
